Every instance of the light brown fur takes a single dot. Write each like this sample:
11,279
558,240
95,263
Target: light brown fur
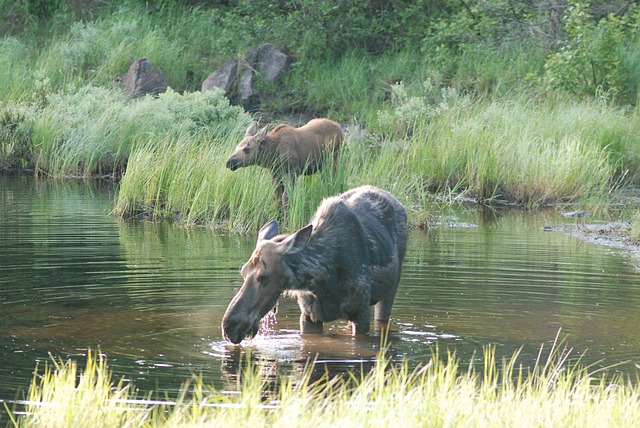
288,150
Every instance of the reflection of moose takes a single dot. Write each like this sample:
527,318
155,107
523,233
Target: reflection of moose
287,150
348,258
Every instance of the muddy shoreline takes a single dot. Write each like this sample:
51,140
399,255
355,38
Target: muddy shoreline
614,234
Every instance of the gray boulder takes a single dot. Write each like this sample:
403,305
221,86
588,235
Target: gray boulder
236,77
222,78
142,79
271,62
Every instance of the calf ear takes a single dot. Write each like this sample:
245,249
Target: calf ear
268,231
297,241
262,133
252,129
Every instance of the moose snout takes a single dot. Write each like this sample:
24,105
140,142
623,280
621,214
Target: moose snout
236,330
233,164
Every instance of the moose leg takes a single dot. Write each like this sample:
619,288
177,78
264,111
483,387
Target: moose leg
309,327
360,325
281,194
382,314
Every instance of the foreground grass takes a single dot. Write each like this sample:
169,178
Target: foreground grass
439,393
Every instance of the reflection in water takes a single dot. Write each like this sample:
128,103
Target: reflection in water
151,296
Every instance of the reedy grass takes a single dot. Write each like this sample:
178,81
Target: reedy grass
186,177
555,392
515,151
474,124
524,152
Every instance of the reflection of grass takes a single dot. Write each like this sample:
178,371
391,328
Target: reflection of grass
439,393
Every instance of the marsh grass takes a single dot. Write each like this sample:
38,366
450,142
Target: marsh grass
513,151
529,153
441,392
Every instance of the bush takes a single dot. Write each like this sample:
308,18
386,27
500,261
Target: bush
15,135
592,59
93,130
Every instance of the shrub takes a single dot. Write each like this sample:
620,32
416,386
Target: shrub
93,130
15,135
591,60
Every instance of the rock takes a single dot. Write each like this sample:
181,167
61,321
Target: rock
271,62
142,79
246,86
222,78
236,77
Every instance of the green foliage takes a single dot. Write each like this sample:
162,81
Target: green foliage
323,29
440,96
416,109
15,137
93,130
591,60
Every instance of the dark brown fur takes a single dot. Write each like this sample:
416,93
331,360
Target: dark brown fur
348,258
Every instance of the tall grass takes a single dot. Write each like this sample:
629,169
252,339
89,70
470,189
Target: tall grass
530,153
185,43
185,176
472,124
441,392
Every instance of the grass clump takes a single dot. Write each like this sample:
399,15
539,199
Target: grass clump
62,396
439,393
428,143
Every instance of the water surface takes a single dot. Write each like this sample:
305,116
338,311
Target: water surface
151,296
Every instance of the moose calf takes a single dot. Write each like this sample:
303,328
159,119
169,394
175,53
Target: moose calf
287,150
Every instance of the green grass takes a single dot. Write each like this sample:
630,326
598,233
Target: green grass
554,392
528,153
426,124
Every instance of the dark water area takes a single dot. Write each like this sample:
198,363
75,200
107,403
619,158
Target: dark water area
151,296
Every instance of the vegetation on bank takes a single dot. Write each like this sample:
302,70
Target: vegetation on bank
439,393
440,100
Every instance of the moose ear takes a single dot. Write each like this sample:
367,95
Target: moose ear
262,133
252,129
268,231
297,241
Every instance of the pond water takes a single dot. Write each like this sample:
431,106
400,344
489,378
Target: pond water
151,296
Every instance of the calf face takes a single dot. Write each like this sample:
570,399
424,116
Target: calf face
249,149
266,275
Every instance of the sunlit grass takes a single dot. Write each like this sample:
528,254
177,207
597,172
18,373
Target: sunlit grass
510,151
441,392
529,153
435,127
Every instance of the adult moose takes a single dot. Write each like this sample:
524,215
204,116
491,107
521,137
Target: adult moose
287,150
347,259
